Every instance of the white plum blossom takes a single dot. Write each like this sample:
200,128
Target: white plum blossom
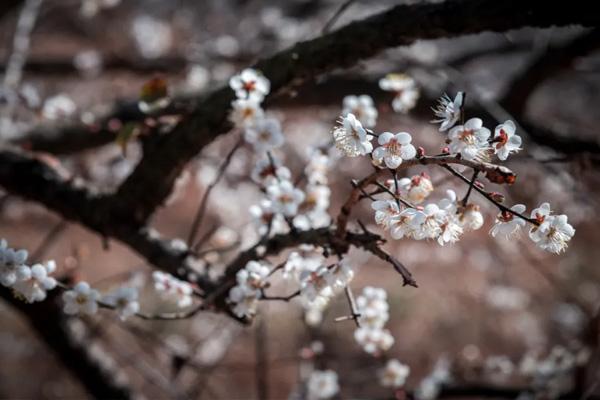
339,276
265,134
540,213
393,149
124,300
448,111
426,222
244,301
553,234
507,224
405,89
470,217
351,138
373,307
469,140
253,275
317,167
305,259
415,189
505,141
363,109
374,340
245,112
251,279
265,171
59,106
403,225
33,282
172,289
394,374
285,197
266,219
250,83
10,261
316,288
322,385
386,211
82,299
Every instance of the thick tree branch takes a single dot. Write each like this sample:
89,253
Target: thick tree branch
165,156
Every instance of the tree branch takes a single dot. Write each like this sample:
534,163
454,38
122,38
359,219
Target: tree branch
166,155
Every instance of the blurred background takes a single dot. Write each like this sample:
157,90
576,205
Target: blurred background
479,299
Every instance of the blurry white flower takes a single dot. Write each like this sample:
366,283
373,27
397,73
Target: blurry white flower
322,384
245,112
363,109
285,197
88,62
394,148
197,78
265,134
507,297
244,300
124,300
470,217
266,219
253,275
470,139
407,92
498,368
33,282
373,307
302,261
10,261
250,84
264,172
507,224
58,107
447,111
152,37
505,141
351,138
82,299
172,289
374,340
394,374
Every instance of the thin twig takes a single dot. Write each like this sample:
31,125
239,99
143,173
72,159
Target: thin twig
204,202
334,18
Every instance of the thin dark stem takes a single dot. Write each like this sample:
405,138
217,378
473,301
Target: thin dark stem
466,198
485,194
334,18
204,202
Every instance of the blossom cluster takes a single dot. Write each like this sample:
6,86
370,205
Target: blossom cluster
373,308
322,384
318,282
284,205
28,282
173,290
250,282
446,220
